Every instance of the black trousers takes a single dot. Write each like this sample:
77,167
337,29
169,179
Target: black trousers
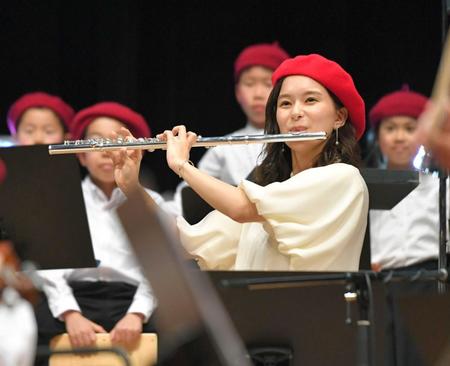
105,303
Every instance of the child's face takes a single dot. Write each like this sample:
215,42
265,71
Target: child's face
252,91
99,165
304,105
397,142
39,126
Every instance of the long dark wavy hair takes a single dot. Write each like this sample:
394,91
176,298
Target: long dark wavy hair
277,164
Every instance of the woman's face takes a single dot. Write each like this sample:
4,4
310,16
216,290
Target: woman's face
396,141
304,105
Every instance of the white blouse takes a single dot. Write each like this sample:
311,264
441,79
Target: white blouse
314,221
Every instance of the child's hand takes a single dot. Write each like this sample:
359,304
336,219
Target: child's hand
80,329
128,329
126,164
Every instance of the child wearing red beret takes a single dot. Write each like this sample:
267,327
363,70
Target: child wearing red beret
307,209
394,121
113,297
407,236
34,118
39,118
253,70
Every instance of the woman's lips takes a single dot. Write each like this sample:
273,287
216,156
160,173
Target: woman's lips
298,129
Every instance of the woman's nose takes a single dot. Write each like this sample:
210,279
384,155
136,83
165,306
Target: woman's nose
297,111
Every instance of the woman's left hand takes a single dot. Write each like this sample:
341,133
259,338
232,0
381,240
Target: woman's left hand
179,144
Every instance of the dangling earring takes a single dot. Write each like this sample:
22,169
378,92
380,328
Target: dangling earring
337,136
282,147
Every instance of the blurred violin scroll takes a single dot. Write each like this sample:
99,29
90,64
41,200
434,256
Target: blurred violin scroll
434,124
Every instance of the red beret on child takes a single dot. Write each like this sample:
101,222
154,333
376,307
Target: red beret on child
132,120
269,55
333,77
402,102
39,100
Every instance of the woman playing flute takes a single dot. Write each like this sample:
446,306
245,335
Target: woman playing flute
308,207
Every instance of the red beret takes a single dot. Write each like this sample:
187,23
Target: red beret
39,100
333,77
133,121
2,171
402,102
269,55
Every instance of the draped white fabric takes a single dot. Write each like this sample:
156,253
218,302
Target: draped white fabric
314,221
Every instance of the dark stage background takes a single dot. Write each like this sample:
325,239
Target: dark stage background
173,60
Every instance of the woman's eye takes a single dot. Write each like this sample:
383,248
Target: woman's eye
310,100
284,103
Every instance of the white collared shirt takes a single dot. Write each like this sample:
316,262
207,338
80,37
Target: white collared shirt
111,248
409,232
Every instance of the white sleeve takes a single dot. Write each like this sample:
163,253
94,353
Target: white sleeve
318,216
213,241
59,294
144,301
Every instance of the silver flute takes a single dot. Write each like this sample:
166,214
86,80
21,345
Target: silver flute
89,145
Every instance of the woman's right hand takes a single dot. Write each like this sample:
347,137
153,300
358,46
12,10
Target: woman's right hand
127,163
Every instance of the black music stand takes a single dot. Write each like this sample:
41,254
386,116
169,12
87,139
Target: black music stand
386,189
427,319
299,313
42,208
